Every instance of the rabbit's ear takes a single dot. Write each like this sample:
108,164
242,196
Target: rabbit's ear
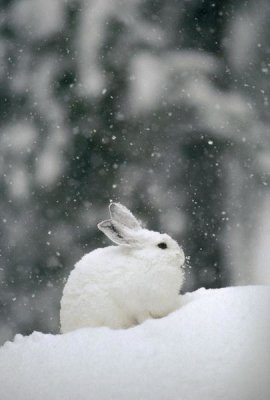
118,233
123,216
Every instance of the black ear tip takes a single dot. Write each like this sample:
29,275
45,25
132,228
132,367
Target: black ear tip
117,208
112,206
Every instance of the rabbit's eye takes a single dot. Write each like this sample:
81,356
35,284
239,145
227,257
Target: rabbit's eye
162,245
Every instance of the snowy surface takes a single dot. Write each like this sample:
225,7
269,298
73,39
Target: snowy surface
216,346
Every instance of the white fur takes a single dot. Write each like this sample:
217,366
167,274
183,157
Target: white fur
121,286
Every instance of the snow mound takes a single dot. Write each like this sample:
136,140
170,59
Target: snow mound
216,346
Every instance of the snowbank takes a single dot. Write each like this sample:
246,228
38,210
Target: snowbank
217,346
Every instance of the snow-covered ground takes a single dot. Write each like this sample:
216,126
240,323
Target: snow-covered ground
216,346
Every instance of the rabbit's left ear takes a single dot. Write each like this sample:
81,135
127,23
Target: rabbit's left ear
118,233
123,216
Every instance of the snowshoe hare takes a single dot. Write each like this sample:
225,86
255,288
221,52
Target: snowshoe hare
121,286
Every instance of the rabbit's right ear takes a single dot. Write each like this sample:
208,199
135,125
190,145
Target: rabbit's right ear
123,216
118,233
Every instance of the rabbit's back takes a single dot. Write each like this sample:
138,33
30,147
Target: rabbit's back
89,292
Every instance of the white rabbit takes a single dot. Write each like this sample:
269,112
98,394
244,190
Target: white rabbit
121,286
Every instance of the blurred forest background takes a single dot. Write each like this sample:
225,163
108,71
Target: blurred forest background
162,105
